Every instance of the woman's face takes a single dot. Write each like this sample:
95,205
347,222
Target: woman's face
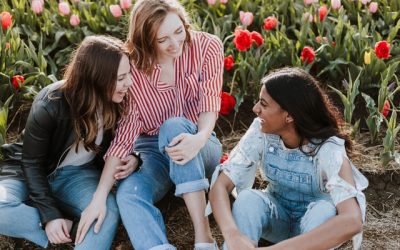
124,80
273,117
170,38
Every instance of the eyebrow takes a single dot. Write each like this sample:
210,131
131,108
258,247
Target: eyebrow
160,38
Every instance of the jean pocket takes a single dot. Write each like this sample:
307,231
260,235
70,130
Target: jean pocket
300,182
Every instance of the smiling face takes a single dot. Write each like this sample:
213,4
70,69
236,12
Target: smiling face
124,80
273,117
171,36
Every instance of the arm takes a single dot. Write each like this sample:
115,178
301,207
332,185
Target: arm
187,145
220,203
122,144
335,231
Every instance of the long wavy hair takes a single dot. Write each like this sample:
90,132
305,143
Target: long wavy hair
90,81
315,117
145,19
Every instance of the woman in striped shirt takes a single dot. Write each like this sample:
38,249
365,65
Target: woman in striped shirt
173,107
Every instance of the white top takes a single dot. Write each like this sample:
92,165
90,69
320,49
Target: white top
247,156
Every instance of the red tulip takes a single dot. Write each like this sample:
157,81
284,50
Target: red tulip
228,103
229,62
270,23
257,38
6,20
382,50
386,108
323,10
224,157
17,81
242,40
307,55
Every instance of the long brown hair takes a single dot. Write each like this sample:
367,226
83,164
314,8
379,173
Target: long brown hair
145,18
315,117
90,81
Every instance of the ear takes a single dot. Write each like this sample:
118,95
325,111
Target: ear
289,118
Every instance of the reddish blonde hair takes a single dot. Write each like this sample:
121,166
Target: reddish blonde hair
145,18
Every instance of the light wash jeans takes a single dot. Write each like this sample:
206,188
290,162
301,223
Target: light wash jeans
137,194
73,187
293,203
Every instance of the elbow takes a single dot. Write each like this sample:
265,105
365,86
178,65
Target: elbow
355,225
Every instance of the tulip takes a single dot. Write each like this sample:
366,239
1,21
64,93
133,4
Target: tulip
229,62
386,108
308,17
211,2
365,1
8,46
224,157
63,9
125,4
270,23
373,7
367,57
6,20
246,18
336,4
308,2
17,81
382,49
323,10
115,10
74,20
223,1
37,6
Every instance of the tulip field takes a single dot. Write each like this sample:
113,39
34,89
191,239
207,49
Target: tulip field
351,46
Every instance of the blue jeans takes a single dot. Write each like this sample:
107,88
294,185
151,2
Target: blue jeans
73,187
137,194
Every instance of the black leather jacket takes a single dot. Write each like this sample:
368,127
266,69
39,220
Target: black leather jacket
46,141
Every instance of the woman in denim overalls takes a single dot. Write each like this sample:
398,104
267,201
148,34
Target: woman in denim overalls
314,197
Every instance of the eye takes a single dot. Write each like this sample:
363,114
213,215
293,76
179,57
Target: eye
120,78
161,40
179,31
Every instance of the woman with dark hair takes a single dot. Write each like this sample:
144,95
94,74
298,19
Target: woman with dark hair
173,106
69,128
314,196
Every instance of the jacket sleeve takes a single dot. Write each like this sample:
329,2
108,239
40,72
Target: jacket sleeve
36,147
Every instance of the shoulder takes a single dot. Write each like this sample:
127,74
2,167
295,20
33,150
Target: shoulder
333,145
207,41
49,99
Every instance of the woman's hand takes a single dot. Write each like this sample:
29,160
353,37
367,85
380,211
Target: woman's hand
57,231
237,240
129,164
96,210
184,147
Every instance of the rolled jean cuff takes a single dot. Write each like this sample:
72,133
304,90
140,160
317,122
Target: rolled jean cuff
163,247
191,186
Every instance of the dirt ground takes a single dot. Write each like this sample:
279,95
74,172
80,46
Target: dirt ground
381,230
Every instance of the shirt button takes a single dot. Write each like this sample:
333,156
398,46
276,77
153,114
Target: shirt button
271,149
310,158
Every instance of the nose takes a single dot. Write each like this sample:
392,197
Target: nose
129,81
256,109
174,43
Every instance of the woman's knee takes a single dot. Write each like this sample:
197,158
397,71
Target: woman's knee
175,126
248,204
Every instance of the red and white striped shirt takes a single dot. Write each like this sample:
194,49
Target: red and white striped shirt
198,85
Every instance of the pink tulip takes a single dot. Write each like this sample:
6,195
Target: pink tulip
308,2
223,1
115,10
246,18
336,4
37,6
63,9
74,20
365,1
125,4
307,16
373,7
211,2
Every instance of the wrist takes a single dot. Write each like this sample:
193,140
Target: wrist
202,138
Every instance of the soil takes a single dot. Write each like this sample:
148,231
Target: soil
381,230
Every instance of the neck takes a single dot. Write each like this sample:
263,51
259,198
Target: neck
291,138
166,61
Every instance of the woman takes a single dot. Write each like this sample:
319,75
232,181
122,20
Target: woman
68,130
313,199
173,106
